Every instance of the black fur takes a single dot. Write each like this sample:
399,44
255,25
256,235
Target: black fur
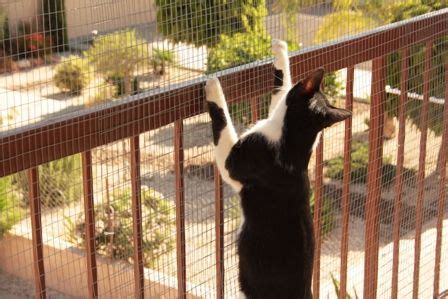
276,242
219,120
278,81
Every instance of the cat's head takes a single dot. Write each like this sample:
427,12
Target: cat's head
308,106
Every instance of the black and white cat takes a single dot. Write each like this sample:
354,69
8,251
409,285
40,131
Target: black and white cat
268,166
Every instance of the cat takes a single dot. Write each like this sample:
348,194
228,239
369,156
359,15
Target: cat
268,167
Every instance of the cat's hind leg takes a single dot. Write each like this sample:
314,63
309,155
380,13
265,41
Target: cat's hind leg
282,75
224,134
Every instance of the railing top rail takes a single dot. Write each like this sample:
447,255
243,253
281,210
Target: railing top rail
36,144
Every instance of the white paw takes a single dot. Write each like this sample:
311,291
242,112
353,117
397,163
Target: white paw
279,46
213,92
280,51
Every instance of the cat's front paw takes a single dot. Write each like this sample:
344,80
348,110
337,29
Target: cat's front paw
279,46
280,51
213,92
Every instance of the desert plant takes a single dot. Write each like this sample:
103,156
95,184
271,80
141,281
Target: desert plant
160,58
71,74
337,289
119,55
59,181
114,233
9,212
118,82
55,24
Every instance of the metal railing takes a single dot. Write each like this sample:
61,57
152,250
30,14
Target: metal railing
28,147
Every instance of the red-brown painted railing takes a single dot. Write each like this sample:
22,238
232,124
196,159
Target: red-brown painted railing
399,175
32,146
345,205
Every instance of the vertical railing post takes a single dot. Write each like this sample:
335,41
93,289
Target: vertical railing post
180,208
219,231
404,75
346,182
421,167
317,219
36,226
442,190
139,280
378,97
254,109
89,212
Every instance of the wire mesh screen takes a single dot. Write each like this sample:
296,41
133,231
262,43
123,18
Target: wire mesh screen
108,185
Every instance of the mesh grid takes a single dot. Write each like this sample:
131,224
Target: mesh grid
122,80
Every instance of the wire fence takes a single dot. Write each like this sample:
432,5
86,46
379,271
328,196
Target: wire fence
107,179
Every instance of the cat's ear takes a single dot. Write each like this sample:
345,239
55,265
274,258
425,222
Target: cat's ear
335,115
311,84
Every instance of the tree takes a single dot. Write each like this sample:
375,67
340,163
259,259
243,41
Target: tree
119,55
202,22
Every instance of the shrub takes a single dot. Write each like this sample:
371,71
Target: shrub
327,214
104,93
71,74
332,84
416,68
114,231
9,214
160,59
119,55
59,181
238,49
359,167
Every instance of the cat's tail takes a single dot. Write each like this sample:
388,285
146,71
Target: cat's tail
224,134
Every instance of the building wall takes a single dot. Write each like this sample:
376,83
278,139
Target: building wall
84,16
20,11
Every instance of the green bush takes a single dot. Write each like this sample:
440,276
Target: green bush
202,22
9,213
114,230
160,59
71,74
332,84
238,49
416,68
59,182
327,214
119,55
104,93
359,167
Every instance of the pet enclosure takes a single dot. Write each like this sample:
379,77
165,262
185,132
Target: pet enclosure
107,181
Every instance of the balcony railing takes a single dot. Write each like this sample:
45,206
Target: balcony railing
26,148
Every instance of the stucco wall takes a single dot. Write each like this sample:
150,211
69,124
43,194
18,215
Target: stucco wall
20,11
65,271
84,16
